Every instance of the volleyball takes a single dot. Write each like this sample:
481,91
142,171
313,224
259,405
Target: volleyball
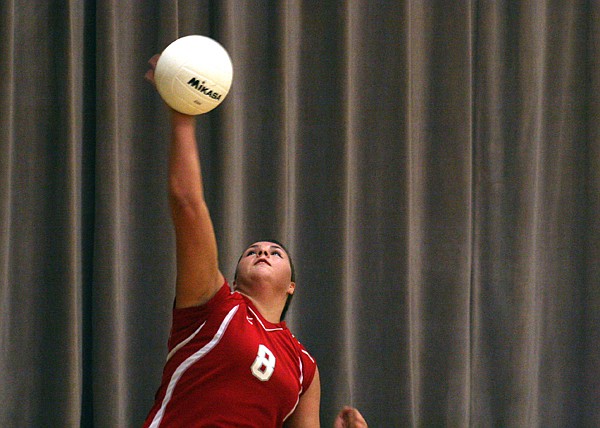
193,74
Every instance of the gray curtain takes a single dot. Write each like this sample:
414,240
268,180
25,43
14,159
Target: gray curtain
433,166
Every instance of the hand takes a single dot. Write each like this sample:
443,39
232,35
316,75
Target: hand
349,417
149,76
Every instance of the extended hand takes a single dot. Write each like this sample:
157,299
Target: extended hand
149,76
349,417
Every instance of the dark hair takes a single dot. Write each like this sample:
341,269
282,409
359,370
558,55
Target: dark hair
289,297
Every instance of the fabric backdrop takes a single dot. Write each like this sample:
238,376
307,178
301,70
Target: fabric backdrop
433,166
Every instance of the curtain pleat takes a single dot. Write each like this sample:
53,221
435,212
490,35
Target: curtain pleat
589,253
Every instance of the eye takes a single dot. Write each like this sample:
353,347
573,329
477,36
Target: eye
250,253
277,253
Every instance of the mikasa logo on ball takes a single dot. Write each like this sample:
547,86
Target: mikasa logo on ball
195,83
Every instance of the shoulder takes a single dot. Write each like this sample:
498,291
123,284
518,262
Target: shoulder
300,347
223,299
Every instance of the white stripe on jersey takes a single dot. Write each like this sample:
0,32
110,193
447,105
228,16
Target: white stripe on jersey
183,342
188,363
308,355
261,323
299,392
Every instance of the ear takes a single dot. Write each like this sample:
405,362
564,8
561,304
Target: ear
291,288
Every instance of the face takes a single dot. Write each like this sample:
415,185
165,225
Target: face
264,263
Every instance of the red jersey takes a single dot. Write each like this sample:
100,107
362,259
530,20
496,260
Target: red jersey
229,367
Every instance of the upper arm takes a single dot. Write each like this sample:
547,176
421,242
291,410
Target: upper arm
198,275
306,414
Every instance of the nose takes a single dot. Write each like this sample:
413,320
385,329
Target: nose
263,252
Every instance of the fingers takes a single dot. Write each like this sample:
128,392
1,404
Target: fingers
149,76
152,61
347,414
350,417
358,421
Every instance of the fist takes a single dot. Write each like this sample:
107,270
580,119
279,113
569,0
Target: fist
349,417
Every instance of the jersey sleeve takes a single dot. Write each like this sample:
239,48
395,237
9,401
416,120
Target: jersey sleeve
309,367
187,320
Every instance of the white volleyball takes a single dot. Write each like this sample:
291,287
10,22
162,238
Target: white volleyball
193,74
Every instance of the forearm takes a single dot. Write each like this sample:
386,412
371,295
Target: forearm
185,176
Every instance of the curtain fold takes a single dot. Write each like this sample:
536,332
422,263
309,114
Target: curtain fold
531,153
433,168
590,233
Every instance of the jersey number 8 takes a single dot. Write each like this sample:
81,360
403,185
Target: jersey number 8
264,364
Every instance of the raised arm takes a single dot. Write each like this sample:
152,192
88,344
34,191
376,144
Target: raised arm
198,275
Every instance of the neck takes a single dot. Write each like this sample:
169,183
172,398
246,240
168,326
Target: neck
271,312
